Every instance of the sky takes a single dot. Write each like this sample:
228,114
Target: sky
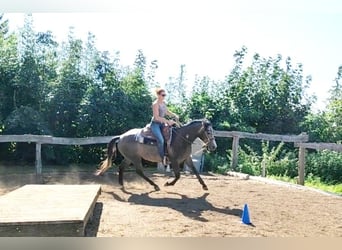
202,34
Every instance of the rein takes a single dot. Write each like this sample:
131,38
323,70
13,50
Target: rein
186,140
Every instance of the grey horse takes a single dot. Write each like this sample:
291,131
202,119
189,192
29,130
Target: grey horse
179,151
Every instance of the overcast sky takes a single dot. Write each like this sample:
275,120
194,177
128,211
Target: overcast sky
201,34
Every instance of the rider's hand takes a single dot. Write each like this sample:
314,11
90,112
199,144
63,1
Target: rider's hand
171,122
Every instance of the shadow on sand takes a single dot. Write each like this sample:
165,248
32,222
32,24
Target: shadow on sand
189,207
92,226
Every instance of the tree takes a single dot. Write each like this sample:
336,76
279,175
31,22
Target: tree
202,102
3,26
104,109
176,88
151,74
326,126
47,67
28,85
69,91
334,114
264,97
9,66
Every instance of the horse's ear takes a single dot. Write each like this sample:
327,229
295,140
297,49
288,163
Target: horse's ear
206,123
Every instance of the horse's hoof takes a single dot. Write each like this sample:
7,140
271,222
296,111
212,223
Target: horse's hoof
156,188
98,173
205,188
167,184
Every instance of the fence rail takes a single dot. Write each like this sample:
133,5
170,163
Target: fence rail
303,137
312,145
298,140
321,146
46,139
236,135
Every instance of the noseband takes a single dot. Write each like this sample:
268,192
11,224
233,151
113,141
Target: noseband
210,136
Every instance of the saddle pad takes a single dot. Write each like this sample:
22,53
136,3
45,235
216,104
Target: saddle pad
142,138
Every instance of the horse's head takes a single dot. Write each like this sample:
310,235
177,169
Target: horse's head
207,135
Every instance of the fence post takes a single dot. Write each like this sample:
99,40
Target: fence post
301,165
263,165
235,150
39,162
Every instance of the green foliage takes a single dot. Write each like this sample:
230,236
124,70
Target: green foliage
326,165
314,182
3,26
276,160
74,90
216,163
9,66
327,126
26,120
264,96
176,88
70,90
249,161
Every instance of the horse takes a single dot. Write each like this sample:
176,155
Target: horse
179,150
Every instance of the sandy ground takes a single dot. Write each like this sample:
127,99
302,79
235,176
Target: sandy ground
186,210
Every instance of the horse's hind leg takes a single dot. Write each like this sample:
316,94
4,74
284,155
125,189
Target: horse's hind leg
139,169
122,166
192,166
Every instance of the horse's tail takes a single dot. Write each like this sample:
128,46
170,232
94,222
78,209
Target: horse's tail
111,153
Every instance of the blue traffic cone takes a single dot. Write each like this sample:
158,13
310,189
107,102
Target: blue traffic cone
245,215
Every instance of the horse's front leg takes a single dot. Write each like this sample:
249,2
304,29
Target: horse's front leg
175,167
139,170
190,163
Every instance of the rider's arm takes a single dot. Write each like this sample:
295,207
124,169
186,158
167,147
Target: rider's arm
169,113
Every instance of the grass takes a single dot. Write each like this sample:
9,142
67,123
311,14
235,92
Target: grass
313,182
337,189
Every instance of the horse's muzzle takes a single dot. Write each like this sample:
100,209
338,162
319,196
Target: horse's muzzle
212,145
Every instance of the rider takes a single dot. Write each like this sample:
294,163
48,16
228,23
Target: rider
158,120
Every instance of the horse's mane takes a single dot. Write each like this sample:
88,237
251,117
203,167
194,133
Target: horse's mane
196,121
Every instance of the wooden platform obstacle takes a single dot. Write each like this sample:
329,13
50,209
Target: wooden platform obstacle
47,210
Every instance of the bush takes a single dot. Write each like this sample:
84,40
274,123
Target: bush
249,162
277,161
285,166
327,165
216,163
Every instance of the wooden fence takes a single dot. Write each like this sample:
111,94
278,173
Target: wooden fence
316,146
303,137
236,135
45,139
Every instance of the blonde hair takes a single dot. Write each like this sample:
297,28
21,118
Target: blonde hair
157,91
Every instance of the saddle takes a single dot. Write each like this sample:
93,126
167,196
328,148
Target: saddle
146,136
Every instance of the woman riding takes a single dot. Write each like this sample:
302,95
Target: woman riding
158,121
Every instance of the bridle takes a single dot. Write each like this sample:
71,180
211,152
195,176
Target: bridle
209,135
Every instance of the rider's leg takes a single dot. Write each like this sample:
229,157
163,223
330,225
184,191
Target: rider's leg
156,130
